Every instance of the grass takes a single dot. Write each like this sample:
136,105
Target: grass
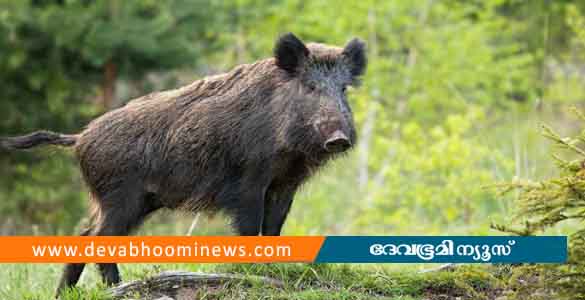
300,281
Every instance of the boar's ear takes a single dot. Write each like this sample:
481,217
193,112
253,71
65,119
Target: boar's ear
355,51
290,52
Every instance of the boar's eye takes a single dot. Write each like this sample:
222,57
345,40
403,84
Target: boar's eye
311,87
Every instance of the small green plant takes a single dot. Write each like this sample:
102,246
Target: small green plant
553,204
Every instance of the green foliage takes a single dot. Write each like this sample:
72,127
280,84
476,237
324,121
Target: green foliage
59,59
437,178
564,68
56,204
551,203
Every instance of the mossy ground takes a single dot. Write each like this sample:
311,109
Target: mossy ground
300,281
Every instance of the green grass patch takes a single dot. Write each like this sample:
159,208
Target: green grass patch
299,281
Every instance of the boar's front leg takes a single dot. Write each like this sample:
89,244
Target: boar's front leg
248,215
249,210
276,208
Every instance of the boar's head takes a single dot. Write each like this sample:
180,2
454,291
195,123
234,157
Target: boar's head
319,76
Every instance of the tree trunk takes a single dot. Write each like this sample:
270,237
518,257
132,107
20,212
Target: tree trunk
108,85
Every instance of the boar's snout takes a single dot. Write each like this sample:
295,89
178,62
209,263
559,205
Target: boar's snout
337,142
334,134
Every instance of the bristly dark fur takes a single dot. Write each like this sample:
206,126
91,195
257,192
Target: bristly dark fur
242,142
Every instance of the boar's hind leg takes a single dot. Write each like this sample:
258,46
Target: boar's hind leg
277,206
121,212
72,272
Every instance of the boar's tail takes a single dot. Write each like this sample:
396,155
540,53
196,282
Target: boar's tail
37,138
